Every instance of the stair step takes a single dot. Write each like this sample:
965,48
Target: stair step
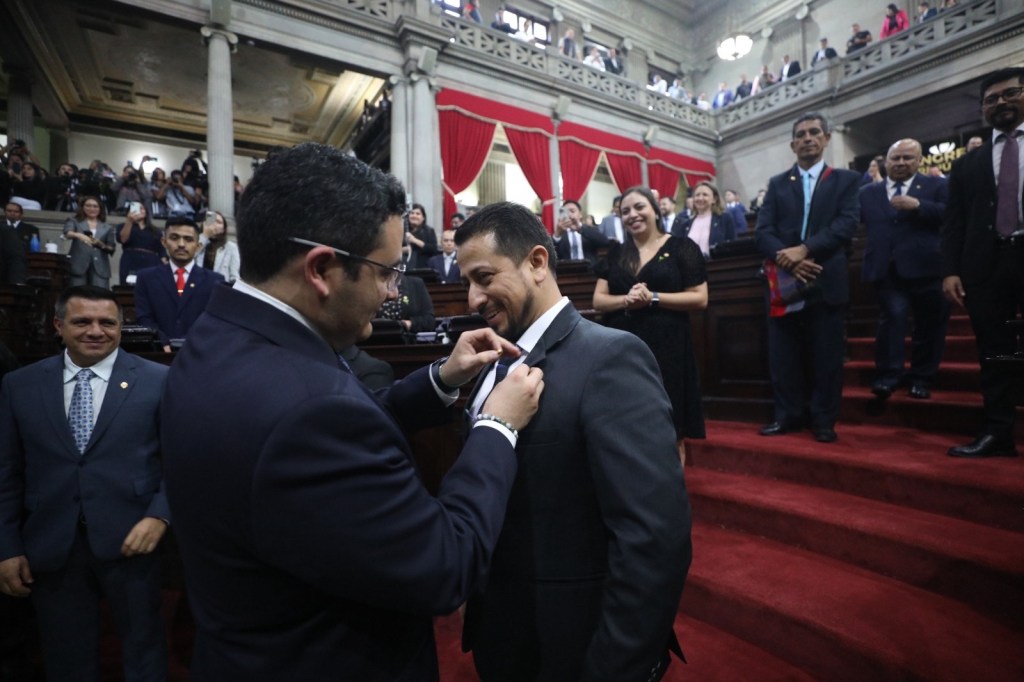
957,349
952,412
959,377
981,566
890,464
838,621
713,655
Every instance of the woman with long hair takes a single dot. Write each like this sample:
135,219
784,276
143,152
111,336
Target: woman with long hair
93,241
647,286
140,244
217,252
710,224
420,237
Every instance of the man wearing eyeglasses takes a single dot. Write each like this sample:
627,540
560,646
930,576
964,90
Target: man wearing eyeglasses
983,252
311,549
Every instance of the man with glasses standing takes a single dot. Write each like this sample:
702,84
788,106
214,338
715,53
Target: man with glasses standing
983,252
311,549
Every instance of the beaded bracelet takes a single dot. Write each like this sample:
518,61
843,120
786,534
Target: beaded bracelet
490,417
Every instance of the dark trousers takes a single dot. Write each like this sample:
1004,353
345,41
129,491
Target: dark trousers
990,305
67,610
818,332
897,299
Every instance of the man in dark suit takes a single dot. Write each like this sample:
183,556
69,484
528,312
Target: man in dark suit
592,558
13,263
25,231
734,207
611,224
789,68
805,226
311,549
170,298
573,239
445,263
902,216
824,52
744,88
613,63
82,507
983,251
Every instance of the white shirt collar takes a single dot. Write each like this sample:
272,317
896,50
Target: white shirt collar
536,330
188,268
103,369
996,134
291,312
815,170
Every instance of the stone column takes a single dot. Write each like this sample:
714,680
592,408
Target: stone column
556,171
20,124
220,131
400,131
839,153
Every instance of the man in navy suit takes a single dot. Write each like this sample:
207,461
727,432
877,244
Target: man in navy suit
902,259
82,507
169,298
592,558
311,549
445,263
805,226
983,252
573,239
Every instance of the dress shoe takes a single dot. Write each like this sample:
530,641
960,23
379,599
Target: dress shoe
778,428
985,445
881,389
920,392
825,434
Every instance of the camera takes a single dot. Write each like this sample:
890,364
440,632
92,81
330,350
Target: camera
16,167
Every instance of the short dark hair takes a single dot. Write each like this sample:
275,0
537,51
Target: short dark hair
515,228
1000,76
179,220
89,293
314,192
812,116
574,203
460,216
21,209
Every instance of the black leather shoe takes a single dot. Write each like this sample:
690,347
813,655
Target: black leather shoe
985,445
825,434
777,429
920,392
881,389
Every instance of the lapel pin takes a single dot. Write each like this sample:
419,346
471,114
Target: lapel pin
124,384
792,177
191,285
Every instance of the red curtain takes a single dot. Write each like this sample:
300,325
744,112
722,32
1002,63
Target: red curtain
578,162
465,144
626,170
663,179
532,151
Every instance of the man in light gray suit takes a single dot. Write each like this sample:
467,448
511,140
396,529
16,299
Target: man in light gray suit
611,224
82,507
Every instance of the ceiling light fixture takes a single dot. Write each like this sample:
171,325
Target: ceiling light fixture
735,47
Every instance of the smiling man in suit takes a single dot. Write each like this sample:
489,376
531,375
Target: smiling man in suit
983,251
82,507
589,567
169,298
902,259
446,263
805,226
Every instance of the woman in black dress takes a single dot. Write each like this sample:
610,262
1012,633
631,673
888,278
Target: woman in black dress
647,286
421,238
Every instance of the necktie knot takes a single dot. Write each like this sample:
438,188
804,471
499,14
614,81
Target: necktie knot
899,189
180,281
84,375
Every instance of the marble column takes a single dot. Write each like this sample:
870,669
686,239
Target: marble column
424,184
220,131
20,124
400,151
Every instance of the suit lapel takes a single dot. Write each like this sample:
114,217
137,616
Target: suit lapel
121,384
51,394
560,327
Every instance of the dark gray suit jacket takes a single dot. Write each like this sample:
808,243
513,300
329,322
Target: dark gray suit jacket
46,484
587,574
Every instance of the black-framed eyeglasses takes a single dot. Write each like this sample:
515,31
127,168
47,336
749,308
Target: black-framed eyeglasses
1009,94
396,271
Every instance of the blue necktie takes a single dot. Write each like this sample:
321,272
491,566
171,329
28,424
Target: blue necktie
80,412
808,190
899,189
501,369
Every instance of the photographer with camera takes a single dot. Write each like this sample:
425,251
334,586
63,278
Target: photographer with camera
193,174
62,189
179,197
131,187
